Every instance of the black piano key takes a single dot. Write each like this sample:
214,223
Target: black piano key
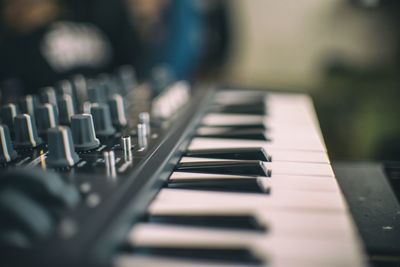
248,167
241,109
231,222
223,255
254,153
241,133
233,185
241,126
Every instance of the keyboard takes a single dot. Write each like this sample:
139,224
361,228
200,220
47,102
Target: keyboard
106,173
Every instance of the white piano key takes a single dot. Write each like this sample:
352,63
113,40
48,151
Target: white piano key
196,201
127,260
300,183
208,143
268,247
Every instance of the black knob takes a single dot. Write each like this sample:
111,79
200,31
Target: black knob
26,135
23,220
83,132
7,152
65,87
117,110
28,104
8,113
65,109
48,95
61,149
97,93
47,187
102,120
46,118
31,202
127,79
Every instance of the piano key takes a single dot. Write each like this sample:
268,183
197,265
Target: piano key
267,247
241,98
284,155
233,185
209,143
223,255
252,133
256,153
248,167
220,119
292,182
169,201
305,224
128,260
240,109
239,167
238,222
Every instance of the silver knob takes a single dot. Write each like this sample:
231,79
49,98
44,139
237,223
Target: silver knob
127,147
144,117
142,135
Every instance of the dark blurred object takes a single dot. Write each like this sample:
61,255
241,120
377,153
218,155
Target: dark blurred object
47,40
358,107
374,208
392,170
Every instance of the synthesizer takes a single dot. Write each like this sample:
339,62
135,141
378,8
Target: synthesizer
105,172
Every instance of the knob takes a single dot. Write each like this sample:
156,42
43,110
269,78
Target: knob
65,109
8,113
127,78
7,152
26,135
126,143
31,202
102,120
83,132
28,105
48,95
161,76
46,117
97,93
64,87
117,110
61,149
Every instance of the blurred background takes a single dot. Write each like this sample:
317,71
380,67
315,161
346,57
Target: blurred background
345,53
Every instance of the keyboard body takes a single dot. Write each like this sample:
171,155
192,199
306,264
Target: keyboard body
234,177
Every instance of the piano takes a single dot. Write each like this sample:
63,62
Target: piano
202,175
